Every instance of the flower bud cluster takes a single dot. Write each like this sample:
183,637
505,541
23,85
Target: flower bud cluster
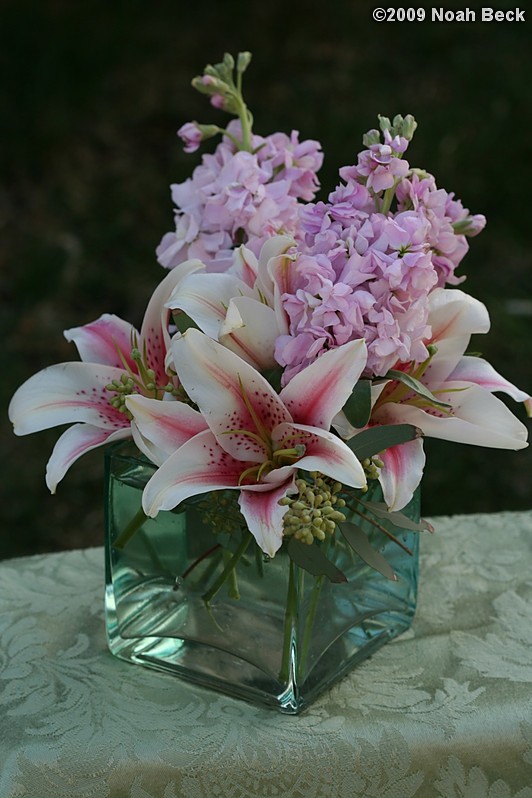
314,512
143,380
220,511
121,388
372,467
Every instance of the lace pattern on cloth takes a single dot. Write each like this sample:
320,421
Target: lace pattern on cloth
445,711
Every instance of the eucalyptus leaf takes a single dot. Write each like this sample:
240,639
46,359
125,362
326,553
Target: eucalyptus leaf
359,542
358,407
183,322
376,439
274,377
416,386
312,559
396,518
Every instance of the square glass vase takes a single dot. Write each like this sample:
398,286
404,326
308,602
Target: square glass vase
267,630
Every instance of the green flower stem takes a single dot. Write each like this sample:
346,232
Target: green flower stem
230,136
131,529
311,615
228,568
309,625
245,123
388,197
259,562
290,620
232,581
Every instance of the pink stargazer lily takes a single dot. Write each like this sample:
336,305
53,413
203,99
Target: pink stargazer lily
464,382
255,440
78,391
242,308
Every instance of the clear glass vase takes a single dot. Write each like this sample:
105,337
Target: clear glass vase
266,631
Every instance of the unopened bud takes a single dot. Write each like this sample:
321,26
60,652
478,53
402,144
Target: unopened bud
243,61
384,123
408,127
371,137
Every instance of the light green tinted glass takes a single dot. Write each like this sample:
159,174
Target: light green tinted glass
273,633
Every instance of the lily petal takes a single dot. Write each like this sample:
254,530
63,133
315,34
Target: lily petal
199,466
250,331
324,452
103,339
264,515
72,444
317,393
231,394
205,297
453,313
477,417
479,371
453,317
63,393
244,265
274,266
275,276
154,335
402,472
159,428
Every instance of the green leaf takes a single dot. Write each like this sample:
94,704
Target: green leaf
416,386
313,560
183,322
358,407
375,439
274,377
396,518
359,542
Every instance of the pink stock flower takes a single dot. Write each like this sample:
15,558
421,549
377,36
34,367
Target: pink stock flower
367,279
255,440
191,135
380,165
237,197
449,223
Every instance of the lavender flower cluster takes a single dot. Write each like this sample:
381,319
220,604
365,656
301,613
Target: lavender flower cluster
365,260
365,271
239,197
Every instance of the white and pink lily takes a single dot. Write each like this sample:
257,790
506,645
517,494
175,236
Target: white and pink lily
465,383
83,393
242,308
254,440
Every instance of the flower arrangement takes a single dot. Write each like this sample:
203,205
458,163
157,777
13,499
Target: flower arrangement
296,351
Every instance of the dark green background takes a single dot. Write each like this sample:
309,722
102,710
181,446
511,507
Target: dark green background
91,96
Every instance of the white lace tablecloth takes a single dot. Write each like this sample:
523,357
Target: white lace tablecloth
443,711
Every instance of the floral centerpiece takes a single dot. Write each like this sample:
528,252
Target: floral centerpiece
286,371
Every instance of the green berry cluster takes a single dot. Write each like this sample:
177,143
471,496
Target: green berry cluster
220,510
314,512
372,466
121,388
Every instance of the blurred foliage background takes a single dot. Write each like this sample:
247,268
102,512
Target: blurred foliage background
91,98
